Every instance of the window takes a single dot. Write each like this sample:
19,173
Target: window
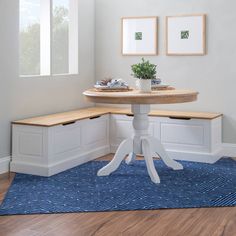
30,37
48,37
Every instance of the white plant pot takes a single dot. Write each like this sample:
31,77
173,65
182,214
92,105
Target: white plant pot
144,85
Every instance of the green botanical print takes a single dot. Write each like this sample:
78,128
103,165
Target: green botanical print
185,34
138,35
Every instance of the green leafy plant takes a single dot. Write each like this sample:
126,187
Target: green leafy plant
144,70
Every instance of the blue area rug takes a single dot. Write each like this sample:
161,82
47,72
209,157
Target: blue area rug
129,188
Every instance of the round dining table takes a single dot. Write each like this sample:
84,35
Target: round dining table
141,142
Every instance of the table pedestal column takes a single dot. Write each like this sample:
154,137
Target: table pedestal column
140,143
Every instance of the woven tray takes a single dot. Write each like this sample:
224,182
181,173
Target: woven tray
113,90
163,88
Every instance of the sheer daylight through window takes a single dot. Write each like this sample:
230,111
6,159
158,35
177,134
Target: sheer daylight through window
48,37
30,37
60,42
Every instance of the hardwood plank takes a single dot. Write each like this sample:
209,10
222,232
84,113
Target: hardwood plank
5,181
176,222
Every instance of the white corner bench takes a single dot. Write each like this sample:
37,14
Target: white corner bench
50,144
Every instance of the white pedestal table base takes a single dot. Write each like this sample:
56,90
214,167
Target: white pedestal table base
141,143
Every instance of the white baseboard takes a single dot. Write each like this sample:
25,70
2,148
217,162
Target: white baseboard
4,164
59,166
189,156
229,150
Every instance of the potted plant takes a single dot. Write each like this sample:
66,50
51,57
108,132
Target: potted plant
144,72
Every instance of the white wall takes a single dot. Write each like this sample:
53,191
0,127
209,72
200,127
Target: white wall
21,98
214,75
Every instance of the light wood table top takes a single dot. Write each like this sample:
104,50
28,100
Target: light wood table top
135,97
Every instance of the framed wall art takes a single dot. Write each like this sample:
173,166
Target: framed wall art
186,35
139,36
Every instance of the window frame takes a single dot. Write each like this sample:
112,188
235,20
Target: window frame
46,15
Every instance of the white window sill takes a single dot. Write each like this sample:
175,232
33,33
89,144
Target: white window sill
59,76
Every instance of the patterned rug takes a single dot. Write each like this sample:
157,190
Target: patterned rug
129,188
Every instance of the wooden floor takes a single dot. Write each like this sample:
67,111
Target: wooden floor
180,222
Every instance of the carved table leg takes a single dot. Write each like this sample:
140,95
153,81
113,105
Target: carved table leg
125,148
157,147
131,158
149,161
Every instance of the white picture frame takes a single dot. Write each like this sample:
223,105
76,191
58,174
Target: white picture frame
139,36
186,35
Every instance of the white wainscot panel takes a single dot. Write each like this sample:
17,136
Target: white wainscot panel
124,129
95,130
27,142
66,137
184,134
36,144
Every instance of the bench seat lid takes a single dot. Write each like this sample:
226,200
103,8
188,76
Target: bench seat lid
80,114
